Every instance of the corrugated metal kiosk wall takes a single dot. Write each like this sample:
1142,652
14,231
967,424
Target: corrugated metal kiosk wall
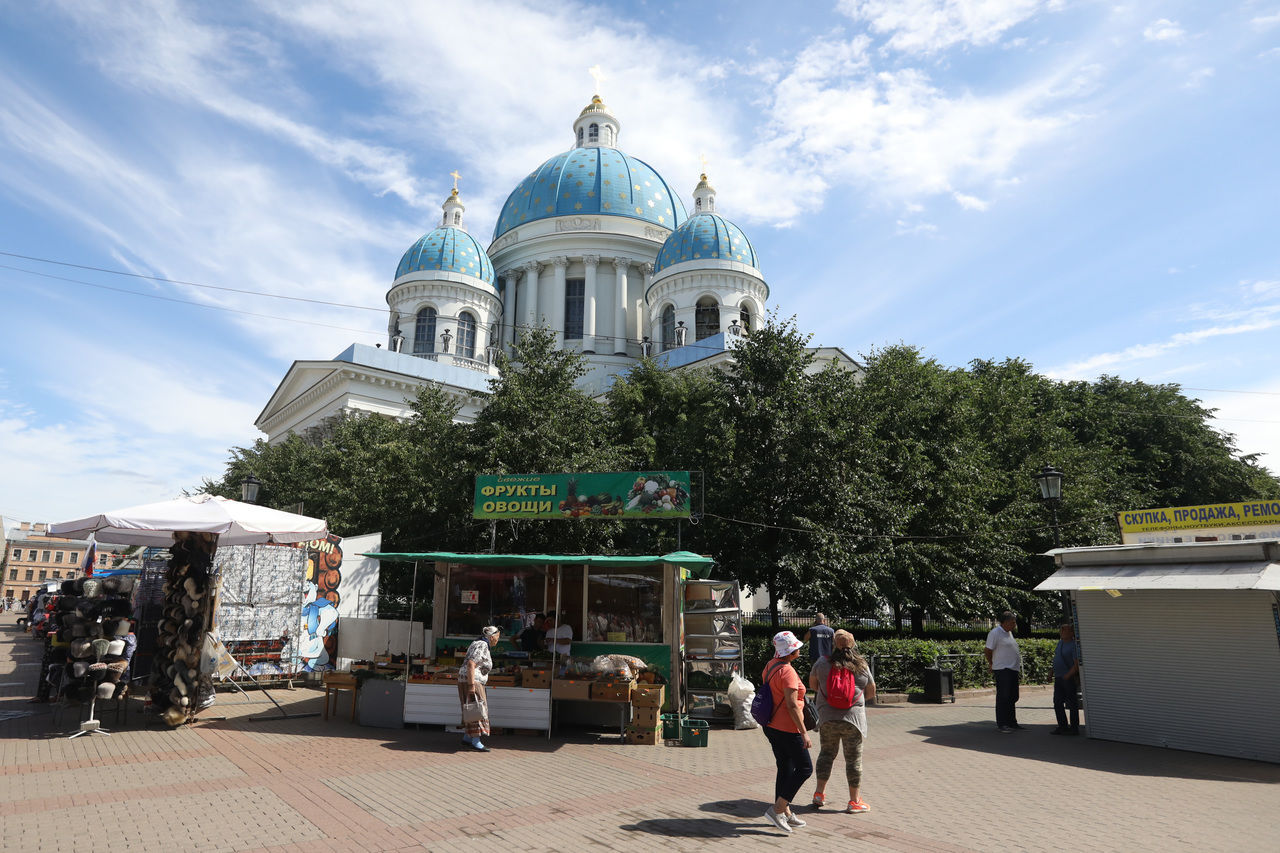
1185,669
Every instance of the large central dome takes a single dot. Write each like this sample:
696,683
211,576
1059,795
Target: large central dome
593,180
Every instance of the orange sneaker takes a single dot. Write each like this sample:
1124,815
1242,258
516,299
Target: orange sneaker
857,807
819,800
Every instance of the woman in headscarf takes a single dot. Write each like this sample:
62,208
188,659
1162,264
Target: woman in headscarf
843,683
786,731
472,678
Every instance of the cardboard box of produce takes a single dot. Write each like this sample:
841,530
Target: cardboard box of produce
645,718
538,679
568,688
646,737
648,695
504,680
611,691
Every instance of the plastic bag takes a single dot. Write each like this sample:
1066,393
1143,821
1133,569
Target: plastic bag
741,694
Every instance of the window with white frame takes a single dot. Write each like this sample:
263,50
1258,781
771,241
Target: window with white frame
706,318
574,299
424,332
466,335
669,327
593,133
744,319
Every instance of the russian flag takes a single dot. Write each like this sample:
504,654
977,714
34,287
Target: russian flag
90,559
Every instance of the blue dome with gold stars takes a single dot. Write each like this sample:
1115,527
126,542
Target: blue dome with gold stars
706,236
593,180
447,249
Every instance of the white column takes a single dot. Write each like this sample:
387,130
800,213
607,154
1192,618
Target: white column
554,314
642,316
529,295
620,306
589,304
511,280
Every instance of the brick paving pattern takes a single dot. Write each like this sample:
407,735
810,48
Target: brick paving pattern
939,778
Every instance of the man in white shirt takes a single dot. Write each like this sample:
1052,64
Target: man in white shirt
558,637
1005,662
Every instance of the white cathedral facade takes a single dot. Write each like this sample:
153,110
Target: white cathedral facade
593,245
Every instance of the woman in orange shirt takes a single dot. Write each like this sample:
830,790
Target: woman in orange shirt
785,731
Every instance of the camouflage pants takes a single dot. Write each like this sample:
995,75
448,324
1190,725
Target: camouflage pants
832,735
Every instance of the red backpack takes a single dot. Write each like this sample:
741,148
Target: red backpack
842,688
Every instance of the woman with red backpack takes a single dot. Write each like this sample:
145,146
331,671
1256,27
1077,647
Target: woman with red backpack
843,683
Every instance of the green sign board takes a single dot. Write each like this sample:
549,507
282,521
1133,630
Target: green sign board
632,494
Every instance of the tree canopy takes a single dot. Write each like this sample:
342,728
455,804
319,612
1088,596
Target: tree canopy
904,487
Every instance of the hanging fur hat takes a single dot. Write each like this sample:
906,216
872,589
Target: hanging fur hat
69,587
78,585
106,690
87,608
192,589
122,628
111,585
115,647
91,587
94,630
79,669
81,648
66,604
101,647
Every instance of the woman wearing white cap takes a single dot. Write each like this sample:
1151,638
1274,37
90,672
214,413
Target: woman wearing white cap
472,678
786,730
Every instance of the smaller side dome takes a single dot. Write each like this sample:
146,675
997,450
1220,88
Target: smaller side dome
448,248
706,236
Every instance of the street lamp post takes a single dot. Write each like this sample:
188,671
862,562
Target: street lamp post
1050,482
249,489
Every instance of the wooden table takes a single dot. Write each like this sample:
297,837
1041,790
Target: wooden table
336,682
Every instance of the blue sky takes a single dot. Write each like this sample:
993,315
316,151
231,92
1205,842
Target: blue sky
1090,186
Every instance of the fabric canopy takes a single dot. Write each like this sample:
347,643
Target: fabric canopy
234,522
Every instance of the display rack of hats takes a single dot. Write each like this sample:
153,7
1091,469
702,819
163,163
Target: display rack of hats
178,690
93,617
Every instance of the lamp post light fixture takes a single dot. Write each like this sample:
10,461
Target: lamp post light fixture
249,489
397,341
1050,482
445,337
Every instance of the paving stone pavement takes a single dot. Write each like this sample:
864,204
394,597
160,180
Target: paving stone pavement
939,778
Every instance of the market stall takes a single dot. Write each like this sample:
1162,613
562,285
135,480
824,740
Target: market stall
191,528
607,610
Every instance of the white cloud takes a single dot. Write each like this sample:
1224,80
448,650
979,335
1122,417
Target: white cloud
1266,22
969,202
1092,366
1164,29
1197,78
930,26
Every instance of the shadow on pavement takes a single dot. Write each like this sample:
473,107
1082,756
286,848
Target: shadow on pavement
1034,743
697,827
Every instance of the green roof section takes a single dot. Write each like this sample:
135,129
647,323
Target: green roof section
696,563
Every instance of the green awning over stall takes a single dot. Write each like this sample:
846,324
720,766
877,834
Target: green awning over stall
695,563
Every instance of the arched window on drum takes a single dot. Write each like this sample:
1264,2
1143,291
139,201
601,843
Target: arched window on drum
424,332
669,328
706,318
467,335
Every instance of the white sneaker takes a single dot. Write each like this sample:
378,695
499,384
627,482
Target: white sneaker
777,820
793,820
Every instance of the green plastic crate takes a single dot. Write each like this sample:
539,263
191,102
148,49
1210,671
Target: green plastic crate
671,726
694,732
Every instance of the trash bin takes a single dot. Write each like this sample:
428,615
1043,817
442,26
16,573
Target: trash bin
939,685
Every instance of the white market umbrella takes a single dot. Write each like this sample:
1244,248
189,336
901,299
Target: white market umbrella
234,522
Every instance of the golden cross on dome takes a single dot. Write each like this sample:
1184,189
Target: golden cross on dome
703,158
455,176
597,75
